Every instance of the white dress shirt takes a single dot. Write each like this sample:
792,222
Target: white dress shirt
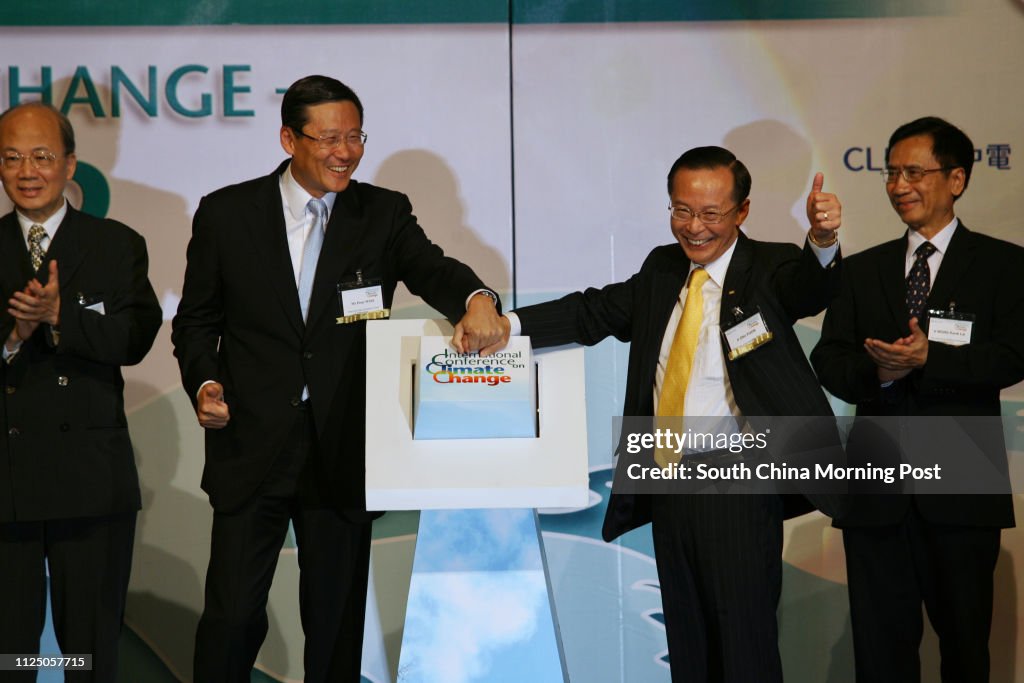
708,393
297,220
50,225
941,243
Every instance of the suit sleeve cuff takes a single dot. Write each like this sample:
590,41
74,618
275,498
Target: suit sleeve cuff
200,389
825,255
514,323
8,355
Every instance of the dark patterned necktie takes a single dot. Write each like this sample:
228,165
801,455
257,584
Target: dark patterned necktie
919,280
36,235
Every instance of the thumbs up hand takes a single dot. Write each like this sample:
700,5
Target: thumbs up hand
824,213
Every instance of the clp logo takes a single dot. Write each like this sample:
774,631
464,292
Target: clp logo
863,159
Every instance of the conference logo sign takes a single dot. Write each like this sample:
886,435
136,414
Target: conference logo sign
469,396
448,367
94,188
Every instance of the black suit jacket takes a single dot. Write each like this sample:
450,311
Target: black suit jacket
239,323
67,451
980,275
775,379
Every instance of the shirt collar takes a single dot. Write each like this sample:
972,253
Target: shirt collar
50,224
295,196
940,241
718,268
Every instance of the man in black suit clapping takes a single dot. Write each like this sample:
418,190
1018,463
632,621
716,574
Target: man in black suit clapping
80,306
881,351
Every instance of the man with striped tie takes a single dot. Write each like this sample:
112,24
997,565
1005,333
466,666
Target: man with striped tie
886,347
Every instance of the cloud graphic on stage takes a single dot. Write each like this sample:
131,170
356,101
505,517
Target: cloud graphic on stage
489,612
477,541
478,605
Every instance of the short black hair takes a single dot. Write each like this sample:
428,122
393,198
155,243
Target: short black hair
312,90
67,131
950,146
715,157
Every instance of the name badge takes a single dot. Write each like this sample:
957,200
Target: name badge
747,334
950,327
361,300
92,303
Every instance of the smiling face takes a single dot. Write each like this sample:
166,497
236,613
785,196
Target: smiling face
706,189
317,170
38,193
927,204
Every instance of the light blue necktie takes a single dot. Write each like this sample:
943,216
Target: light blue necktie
311,252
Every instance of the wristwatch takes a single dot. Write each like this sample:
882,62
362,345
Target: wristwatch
488,293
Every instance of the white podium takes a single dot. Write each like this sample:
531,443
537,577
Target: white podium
479,581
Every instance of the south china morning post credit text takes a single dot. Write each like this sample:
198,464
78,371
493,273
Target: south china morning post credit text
815,455
699,443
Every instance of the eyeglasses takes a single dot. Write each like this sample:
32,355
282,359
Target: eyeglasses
911,174
707,217
356,139
40,159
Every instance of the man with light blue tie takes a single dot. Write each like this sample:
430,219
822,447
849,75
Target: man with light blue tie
283,272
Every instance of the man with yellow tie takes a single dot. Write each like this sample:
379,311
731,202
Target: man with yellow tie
719,556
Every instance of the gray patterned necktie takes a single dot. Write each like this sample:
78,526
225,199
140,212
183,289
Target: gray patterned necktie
919,281
311,252
36,235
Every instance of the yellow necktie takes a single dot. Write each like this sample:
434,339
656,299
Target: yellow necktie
671,402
